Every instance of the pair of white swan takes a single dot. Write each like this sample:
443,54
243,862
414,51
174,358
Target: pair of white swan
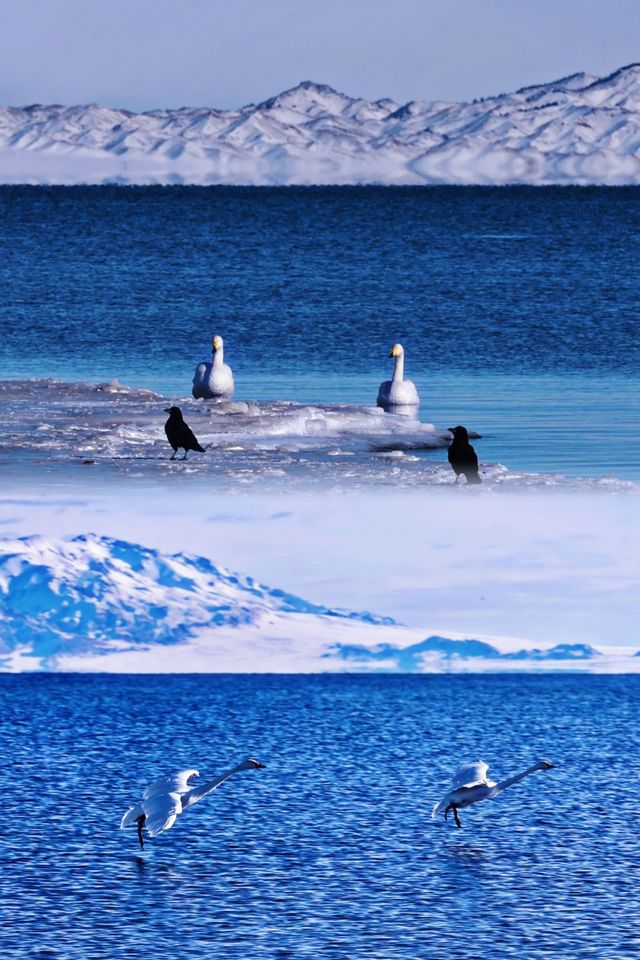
214,381
165,798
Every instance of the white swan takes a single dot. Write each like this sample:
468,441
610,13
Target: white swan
166,797
398,392
214,381
470,785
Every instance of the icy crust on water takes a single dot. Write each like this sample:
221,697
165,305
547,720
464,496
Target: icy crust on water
579,129
96,603
116,430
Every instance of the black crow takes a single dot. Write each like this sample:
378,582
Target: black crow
179,434
462,456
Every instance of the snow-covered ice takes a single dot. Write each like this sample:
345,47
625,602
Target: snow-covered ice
579,129
69,430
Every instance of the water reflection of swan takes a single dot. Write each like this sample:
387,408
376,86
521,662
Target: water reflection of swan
166,797
470,856
470,785
214,381
398,392
162,871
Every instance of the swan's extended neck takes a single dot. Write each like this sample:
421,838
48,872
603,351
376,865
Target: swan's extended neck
203,789
398,370
503,784
218,358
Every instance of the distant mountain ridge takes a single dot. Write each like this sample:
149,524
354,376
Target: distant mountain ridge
96,603
579,129
83,595
445,651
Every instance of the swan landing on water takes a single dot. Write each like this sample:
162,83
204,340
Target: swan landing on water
166,797
470,785
398,392
214,381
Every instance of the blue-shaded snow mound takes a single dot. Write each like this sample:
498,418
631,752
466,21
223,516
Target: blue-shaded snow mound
84,594
453,653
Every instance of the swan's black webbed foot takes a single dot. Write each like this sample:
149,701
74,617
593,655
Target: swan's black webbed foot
456,816
140,821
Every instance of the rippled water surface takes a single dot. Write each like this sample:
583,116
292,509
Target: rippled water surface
330,851
518,308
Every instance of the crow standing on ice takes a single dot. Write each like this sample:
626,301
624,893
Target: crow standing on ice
179,434
462,456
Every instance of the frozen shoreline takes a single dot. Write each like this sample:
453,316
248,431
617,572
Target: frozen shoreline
67,434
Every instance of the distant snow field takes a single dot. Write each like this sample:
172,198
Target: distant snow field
580,129
93,603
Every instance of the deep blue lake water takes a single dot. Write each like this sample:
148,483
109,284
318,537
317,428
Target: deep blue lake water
329,852
518,307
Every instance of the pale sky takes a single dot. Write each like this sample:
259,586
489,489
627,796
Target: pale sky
142,54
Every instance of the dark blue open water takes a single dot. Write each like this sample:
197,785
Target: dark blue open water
518,307
330,852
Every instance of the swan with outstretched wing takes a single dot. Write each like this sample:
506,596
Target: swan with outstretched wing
167,797
470,784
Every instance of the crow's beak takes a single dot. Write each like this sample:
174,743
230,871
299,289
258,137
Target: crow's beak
167,410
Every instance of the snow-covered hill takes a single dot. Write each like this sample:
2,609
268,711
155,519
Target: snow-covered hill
579,129
67,604
99,604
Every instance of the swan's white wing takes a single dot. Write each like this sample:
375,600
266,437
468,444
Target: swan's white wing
383,392
202,372
131,816
441,806
161,812
470,775
177,782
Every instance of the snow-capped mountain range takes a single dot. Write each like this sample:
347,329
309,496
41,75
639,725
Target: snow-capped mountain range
580,129
99,604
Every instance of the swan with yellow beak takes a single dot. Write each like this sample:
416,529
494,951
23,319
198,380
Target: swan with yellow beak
214,381
398,392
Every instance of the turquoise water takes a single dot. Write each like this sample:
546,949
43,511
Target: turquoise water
330,851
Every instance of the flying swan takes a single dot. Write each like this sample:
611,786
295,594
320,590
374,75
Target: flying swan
166,797
214,381
470,785
398,392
